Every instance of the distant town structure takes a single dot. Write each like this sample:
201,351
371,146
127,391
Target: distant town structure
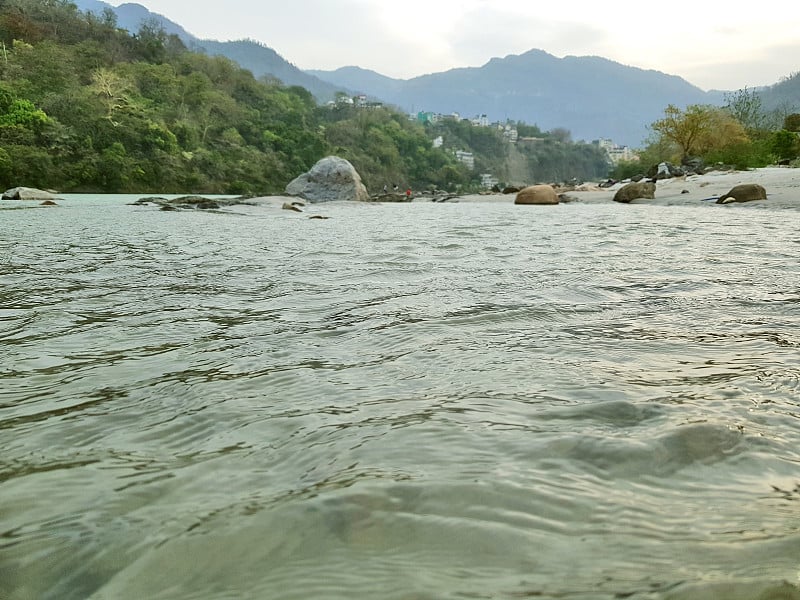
480,121
616,153
488,181
359,101
509,133
466,158
438,142
430,117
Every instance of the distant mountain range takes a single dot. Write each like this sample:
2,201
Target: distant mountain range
592,97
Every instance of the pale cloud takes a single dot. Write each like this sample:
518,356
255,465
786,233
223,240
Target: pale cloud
766,66
707,45
478,35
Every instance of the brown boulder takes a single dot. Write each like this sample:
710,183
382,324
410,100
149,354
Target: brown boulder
632,191
537,194
744,192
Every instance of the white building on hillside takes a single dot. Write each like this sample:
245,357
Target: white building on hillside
466,157
616,153
488,181
510,133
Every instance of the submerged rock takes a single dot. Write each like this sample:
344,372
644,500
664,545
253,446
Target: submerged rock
744,192
391,197
185,202
632,191
331,179
537,194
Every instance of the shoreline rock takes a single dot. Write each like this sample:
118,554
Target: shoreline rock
537,195
26,193
744,192
634,191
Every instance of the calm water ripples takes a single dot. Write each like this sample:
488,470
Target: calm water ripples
402,401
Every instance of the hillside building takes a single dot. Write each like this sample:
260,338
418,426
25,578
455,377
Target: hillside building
510,133
616,153
488,181
466,158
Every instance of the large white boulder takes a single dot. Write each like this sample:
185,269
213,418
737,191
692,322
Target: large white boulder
332,178
26,193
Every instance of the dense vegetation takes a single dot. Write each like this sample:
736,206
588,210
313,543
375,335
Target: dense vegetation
743,134
86,106
550,157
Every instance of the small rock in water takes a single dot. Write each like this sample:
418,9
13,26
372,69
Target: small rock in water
288,206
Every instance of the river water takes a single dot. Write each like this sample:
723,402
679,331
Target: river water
414,401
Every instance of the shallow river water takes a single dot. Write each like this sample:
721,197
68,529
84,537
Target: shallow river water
414,401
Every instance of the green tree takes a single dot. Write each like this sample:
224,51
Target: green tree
23,113
784,144
746,107
699,129
792,122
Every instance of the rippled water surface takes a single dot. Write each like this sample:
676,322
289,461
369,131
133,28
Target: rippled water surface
415,401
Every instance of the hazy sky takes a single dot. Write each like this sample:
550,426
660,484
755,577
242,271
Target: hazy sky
711,44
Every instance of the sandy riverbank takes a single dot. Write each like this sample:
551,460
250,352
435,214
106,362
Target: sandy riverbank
782,185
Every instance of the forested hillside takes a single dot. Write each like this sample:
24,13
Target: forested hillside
87,106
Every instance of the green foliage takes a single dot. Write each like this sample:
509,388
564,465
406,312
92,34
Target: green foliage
86,106
745,105
625,169
23,113
785,145
792,122
742,134
551,157
699,129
